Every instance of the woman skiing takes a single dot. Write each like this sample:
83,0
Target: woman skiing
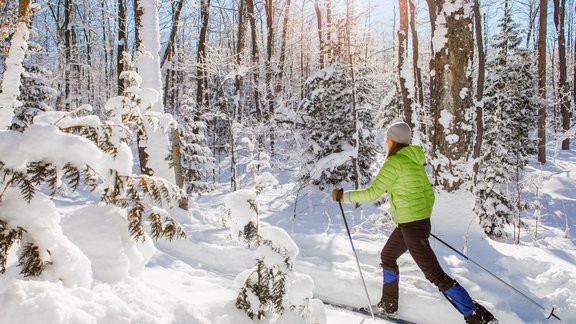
411,199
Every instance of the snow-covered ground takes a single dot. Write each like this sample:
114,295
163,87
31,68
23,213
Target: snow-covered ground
194,280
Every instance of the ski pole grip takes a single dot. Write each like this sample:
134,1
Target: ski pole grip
339,194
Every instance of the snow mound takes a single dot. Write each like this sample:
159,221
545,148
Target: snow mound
41,221
101,232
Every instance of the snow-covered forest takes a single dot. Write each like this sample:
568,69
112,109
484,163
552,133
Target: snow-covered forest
173,161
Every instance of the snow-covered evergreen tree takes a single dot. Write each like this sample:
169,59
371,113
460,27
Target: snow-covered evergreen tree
196,156
35,96
329,124
510,110
271,288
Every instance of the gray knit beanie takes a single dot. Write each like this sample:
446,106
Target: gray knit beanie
399,132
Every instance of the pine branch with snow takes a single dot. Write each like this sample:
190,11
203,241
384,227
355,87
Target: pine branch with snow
8,237
30,261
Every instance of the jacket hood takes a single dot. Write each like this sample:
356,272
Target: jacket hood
414,153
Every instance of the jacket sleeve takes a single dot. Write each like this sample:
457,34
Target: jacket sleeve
386,177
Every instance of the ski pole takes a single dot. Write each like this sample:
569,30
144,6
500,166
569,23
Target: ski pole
499,279
357,262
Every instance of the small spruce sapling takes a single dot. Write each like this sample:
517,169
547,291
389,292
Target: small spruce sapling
265,290
196,156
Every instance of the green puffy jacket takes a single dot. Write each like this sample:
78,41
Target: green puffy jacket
404,178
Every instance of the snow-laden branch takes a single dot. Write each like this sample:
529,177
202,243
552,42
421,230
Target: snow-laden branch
12,75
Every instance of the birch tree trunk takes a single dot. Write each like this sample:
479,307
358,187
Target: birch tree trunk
450,90
154,148
14,69
542,80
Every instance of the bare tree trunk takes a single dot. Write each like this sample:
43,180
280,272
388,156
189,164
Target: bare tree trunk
75,66
138,12
239,50
177,10
355,166
564,92
279,82
255,55
67,54
532,13
479,88
87,68
178,173
450,95
328,50
233,178
169,53
302,51
542,80
23,6
401,69
201,94
415,56
320,39
122,41
106,49
168,82
269,115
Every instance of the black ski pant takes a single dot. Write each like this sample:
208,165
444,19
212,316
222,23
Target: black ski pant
411,237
